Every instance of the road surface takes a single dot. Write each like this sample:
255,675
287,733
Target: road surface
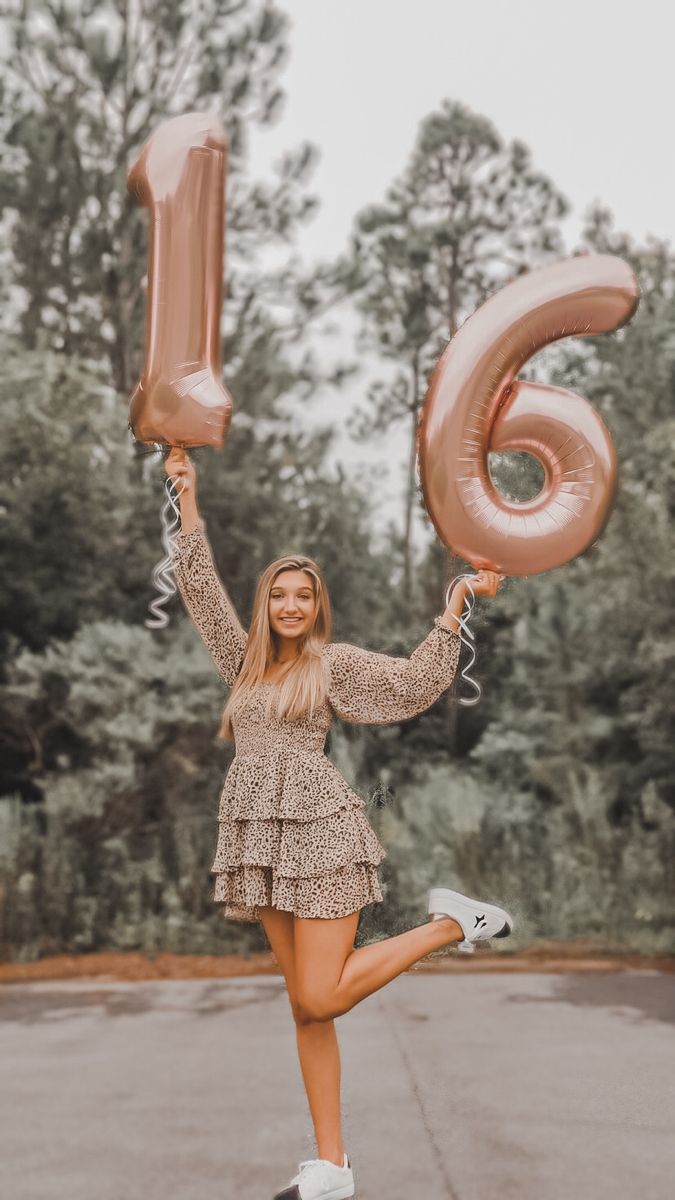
464,1087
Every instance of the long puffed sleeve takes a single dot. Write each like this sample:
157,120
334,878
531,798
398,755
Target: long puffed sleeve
377,689
207,602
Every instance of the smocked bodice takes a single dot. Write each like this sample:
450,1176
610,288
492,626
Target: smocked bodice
255,733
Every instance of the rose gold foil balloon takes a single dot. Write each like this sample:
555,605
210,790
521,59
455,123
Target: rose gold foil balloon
180,176
474,405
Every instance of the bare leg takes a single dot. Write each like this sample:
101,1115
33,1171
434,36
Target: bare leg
375,965
331,978
370,967
319,1055
317,1044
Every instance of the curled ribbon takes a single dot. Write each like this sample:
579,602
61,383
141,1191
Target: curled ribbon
463,622
163,576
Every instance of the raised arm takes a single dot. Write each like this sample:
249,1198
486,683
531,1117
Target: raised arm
377,689
207,601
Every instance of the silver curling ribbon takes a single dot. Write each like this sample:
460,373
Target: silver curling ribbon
163,577
463,622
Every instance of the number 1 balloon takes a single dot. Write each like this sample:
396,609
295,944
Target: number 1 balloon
475,405
180,176
180,399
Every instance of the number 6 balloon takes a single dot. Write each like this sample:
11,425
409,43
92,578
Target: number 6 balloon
180,176
475,405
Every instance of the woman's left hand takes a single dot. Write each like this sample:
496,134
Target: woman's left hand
485,583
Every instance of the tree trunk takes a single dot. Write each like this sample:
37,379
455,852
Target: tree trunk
452,296
410,488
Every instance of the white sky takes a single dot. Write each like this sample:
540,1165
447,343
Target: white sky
589,87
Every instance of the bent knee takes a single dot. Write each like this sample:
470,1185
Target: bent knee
310,1009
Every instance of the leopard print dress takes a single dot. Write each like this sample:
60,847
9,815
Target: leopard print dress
292,833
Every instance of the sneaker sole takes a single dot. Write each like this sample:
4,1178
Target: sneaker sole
342,1193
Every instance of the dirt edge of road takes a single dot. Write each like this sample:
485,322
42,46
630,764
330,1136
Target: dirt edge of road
547,957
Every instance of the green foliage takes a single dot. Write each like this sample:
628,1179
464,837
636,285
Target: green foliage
84,86
118,721
563,870
555,794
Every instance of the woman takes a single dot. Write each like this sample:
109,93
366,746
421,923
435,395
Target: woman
295,850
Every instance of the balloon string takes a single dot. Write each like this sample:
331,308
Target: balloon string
464,625
163,577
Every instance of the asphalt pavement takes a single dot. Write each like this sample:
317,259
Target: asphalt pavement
454,1087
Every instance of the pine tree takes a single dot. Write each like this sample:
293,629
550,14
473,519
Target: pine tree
467,214
83,89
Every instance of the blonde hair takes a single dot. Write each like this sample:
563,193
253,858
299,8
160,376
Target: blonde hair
304,682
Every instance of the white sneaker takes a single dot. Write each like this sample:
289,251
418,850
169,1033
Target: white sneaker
477,920
320,1179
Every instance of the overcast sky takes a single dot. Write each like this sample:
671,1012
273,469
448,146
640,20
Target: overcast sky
589,87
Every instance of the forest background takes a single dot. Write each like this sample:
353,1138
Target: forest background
556,794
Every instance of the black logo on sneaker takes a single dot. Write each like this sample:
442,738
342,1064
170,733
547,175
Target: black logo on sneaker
479,921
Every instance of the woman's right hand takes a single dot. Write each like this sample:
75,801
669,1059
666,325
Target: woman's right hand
181,470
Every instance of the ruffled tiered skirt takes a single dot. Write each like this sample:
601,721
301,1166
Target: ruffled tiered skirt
293,834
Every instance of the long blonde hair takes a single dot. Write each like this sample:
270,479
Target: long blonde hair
304,682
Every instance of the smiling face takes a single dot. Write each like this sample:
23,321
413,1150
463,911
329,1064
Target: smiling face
292,605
